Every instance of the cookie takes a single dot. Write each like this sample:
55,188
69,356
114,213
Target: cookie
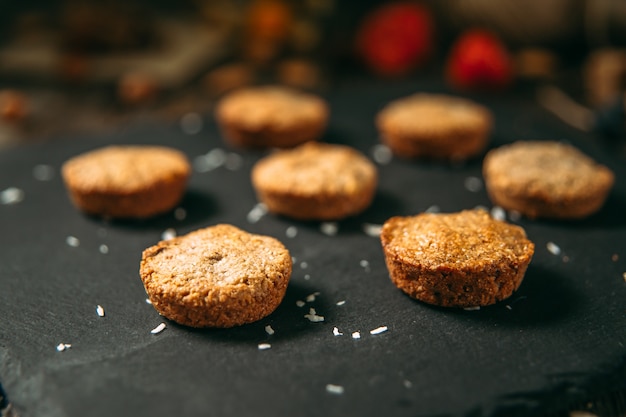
315,181
546,179
434,126
464,259
272,116
219,276
127,181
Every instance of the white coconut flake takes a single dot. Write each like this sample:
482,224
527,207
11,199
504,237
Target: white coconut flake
99,310
233,161
313,316
168,234
307,277
498,213
472,308
148,301
371,229
473,184
365,265
508,307
300,303
63,346
264,346
381,154
43,172
335,389
356,335
340,303
213,159
553,248
257,213
304,265
180,214
379,330
329,228
72,241
311,297
104,249
407,383
158,329
11,195
191,123
433,209
336,332
269,330
291,232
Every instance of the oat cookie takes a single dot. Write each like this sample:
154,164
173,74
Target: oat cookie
220,276
464,259
315,181
434,126
127,181
546,179
271,116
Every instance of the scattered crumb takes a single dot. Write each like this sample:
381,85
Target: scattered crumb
72,241
148,301
498,213
379,330
269,330
233,162
304,265
264,346
63,346
213,159
158,329
473,308
191,123
372,230
311,297
329,228
43,172
340,303
180,214
291,232
336,332
381,154
313,316
300,303
11,195
473,184
356,335
257,212
433,209
99,310
168,234
104,249
334,389
553,248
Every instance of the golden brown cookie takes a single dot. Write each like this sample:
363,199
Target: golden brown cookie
219,276
464,259
546,179
273,116
127,181
315,181
434,126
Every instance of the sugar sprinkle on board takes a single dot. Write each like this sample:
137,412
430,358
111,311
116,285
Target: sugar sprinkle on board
269,330
335,389
158,329
264,346
379,330
553,248
72,241
63,346
11,195
99,310
356,335
336,332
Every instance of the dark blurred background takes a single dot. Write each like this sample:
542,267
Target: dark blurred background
81,66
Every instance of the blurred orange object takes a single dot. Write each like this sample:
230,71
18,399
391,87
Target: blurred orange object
13,106
396,38
479,60
268,20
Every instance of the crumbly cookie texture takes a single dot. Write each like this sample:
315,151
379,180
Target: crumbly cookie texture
464,259
546,179
127,181
271,116
219,276
316,181
435,126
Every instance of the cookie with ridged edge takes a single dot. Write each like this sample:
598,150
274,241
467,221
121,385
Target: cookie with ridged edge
315,181
434,126
463,259
546,179
127,181
219,276
271,117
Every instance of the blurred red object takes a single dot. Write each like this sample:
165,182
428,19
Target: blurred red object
396,38
479,60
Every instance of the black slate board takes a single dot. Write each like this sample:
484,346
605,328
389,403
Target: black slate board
560,339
